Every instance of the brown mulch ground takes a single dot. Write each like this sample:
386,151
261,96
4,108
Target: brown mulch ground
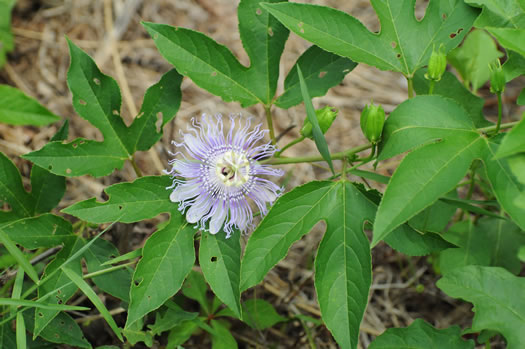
111,33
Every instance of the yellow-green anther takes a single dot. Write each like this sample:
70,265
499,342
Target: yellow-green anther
436,64
325,117
497,77
372,121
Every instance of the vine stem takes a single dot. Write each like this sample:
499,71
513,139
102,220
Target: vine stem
292,143
431,87
498,127
410,87
269,121
334,156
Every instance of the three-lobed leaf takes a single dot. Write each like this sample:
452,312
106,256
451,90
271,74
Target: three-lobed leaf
404,43
498,297
96,98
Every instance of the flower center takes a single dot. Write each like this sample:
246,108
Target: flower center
232,168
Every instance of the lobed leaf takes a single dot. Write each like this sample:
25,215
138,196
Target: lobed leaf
404,43
498,298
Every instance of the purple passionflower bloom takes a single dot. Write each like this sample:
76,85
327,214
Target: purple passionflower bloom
222,171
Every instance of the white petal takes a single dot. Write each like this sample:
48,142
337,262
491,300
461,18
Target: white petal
184,192
199,209
217,220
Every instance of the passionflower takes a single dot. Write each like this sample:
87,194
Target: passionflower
221,174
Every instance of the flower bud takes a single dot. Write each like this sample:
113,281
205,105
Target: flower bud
372,121
436,64
497,77
325,117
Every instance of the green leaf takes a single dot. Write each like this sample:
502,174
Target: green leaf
436,217
7,42
39,305
222,337
263,38
499,13
46,230
511,39
220,261
19,256
322,70
116,283
344,250
62,329
498,298
144,198
18,109
450,87
404,43
213,67
442,131
93,297
168,257
513,142
127,256
181,333
408,241
165,321
195,288
161,103
58,288
134,334
472,58
320,141
421,335
491,242
96,98
505,185
260,314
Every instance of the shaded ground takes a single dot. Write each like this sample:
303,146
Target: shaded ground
111,33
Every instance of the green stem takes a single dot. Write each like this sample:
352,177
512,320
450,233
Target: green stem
135,167
107,270
500,110
269,120
431,87
292,143
334,156
497,127
365,161
410,87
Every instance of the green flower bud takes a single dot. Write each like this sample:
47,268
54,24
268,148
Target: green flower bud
497,77
325,117
436,64
372,121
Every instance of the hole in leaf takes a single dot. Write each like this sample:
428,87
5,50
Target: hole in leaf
59,291
149,297
60,301
40,314
68,171
137,281
346,71
214,259
155,36
270,31
120,207
50,167
75,145
81,101
452,35
394,44
62,323
213,73
140,114
57,335
158,123
398,55
322,74
444,16
96,81
115,112
81,142
258,12
460,30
